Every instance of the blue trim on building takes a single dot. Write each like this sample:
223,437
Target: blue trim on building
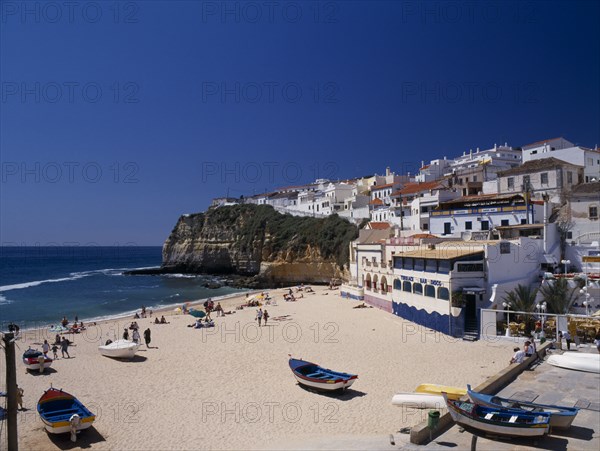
434,320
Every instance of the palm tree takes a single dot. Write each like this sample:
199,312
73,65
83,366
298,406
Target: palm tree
522,298
558,295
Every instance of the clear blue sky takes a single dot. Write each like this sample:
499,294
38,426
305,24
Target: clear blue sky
114,121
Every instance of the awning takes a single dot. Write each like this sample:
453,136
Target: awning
473,290
550,259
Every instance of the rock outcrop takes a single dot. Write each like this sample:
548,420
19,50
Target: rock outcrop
256,241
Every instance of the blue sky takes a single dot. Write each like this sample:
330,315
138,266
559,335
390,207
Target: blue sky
116,117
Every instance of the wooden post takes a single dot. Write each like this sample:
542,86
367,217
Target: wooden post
11,389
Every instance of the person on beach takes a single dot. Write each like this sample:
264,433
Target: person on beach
147,337
265,316
219,310
125,334
64,347
163,320
20,393
135,336
55,351
57,339
156,320
259,315
64,321
529,348
567,337
519,356
45,348
597,341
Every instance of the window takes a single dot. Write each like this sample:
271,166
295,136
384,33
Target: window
523,221
593,210
443,293
569,235
569,177
425,226
505,248
431,265
406,287
444,266
407,263
430,291
504,222
419,264
397,284
511,182
544,178
469,225
447,228
485,225
417,288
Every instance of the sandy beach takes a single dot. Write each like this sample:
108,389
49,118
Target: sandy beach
230,387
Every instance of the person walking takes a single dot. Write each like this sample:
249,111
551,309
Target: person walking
20,393
55,351
45,348
125,334
135,336
265,316
64,347
259,315
147,337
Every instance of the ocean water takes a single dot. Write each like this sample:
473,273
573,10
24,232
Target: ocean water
40,285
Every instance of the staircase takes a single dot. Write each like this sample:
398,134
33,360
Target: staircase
471,330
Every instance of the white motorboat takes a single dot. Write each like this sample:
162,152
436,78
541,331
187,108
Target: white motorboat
589,363
120,349
419,400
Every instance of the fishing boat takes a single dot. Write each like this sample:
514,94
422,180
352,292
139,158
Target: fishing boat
454,393
313,376
34,360
419,400
120,349
560,417
498,422
62,412
589,363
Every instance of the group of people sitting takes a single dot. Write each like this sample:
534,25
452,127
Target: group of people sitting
161,321
199,324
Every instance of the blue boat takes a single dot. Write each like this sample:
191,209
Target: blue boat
62,412
313,376
560,417
481,420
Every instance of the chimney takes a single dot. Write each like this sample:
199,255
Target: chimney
387,171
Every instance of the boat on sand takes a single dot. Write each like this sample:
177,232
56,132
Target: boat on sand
560,417
435,389
35,360
313,376
61,412
492,421
589,363
120,349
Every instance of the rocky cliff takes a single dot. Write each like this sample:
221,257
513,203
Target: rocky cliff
256,241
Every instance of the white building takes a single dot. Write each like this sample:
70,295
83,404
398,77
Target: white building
579,156
435,170
544,177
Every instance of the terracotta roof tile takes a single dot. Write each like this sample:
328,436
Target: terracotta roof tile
379,225
376,202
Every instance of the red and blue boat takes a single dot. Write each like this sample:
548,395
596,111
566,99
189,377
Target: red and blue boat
62,412
313,376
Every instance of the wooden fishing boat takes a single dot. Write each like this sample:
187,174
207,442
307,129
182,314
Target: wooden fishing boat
454,393
120,349
560,417
498,422
34,360
589,363
61,412
313,376
419,400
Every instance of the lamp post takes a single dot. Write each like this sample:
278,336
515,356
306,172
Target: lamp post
566,263
507,306
542,309
588,299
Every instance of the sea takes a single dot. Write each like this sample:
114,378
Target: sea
41,285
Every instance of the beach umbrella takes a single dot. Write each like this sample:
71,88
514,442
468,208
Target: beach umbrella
197,313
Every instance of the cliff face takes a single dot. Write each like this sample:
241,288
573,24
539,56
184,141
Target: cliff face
252,240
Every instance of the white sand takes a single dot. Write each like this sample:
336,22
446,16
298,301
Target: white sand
231,388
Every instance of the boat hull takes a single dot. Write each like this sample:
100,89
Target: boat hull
34,364
120,349
577,363
560,417
56,408
313,376
453,393
492,426
419,400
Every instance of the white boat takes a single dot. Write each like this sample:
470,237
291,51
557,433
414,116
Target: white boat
120,349
589,363
419,400
34,360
